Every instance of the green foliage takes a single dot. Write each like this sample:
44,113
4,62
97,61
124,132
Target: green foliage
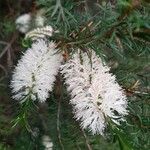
120,34
7,27
121,40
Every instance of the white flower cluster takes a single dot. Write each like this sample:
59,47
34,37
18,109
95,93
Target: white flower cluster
36,71
46,141
24,22
95,95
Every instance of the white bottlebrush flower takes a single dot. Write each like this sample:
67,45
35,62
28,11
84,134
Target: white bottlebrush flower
95,93
46,141
35,72
23,23
40,32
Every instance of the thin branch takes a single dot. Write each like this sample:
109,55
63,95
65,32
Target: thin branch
141,40
5,71
8,45
3,42
58,123
86,140
139,92
59,95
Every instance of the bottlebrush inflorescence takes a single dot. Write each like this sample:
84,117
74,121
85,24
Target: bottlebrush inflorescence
95,94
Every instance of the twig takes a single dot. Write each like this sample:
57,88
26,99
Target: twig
118,41
14,37
130,92
59,95
3,42
43,109
135,85
9,7
86,140
141,40
3,68
139,92
9,58
8,50
58,122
